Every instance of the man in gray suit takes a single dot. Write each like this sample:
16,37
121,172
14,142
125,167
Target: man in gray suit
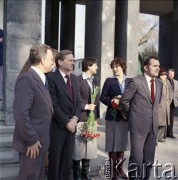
32,111
174,91
141,99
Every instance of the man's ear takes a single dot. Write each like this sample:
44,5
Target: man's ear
60,62
42,60
145,68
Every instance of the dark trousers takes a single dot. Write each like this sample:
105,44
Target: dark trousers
142,154
170,127
60,157
31,169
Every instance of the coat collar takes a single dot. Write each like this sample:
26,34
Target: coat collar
42,87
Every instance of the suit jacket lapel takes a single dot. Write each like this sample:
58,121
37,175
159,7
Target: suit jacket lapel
74,86
84,83
62,83
42,87
115,85
158,90
145,87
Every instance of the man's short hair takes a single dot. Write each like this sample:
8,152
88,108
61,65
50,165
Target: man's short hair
88,61
172,70
37,52
61,55
148,59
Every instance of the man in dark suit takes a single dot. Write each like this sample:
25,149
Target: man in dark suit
32,111
66,103
174,91
141,99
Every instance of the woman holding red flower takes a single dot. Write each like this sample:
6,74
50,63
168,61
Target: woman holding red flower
85,147
116,124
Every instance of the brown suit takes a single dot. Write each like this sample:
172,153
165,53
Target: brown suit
32,111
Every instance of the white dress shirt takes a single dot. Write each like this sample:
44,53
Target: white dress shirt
40,73
148,80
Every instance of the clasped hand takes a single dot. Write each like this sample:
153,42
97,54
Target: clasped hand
71,125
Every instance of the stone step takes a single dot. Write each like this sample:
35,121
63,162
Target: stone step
1,117
6,129
9,172
1,104
7,157
6,140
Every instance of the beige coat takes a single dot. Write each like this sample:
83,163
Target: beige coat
164,107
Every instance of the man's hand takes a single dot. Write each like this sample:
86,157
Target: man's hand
72,124
33,150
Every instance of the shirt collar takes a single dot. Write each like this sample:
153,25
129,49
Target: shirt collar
84,76
63,74
148,78
40,73
124,77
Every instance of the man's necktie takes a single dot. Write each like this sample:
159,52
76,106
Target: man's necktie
69,86
152,91
46,83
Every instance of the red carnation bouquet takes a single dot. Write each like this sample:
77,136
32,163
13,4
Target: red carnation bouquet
89,130
115,108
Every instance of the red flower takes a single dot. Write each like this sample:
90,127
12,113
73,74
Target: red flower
114,105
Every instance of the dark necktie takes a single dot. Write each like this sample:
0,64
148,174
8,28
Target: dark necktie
69,86
152,91
172,84
46,83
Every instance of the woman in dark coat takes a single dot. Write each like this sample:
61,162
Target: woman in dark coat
116,125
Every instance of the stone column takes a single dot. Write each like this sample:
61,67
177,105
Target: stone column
67,25
175,40
166,40
126,34
22,30
99,37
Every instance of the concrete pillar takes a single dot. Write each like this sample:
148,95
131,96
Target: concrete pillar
1,13
126,34
67,25
22,30
99,40
175,39
166,40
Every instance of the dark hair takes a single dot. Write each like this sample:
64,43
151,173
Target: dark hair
172,70
118,61
162,71
148,59
61,55
88,61
35,56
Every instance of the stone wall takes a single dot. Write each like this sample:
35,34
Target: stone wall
23,29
